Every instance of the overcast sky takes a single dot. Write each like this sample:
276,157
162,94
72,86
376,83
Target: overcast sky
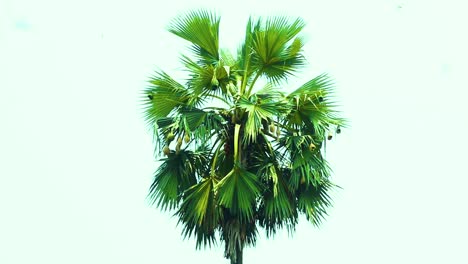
76,159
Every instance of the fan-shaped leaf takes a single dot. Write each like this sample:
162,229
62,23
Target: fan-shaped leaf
238,191
201,28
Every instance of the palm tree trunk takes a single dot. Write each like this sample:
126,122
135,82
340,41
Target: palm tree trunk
234,236
238,260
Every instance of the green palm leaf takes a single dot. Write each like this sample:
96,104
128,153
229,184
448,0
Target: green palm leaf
238,191
260,108
314,110
178,172
314,201
278,208
163,95
199,213
201,28
276,54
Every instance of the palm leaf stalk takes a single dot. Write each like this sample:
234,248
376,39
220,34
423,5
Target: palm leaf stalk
236,157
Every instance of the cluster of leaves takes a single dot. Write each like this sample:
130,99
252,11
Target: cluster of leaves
235,158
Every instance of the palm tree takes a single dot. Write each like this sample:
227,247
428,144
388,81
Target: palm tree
236,157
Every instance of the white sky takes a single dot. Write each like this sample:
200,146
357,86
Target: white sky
76,160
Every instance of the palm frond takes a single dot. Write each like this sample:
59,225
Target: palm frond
228,58
202,124
178,172
245,54
314,202
275,53
164,95
321,85
314,111
238,192
201,28
309,169
208,80
199,213
278,209
164,191
260,108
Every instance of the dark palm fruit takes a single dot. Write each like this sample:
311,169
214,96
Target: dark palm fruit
330,136
234,119
166,150
338,130
170,137
179,144
265,126
312,147
320,99
187,138
272,128
150,96
214,82
227,148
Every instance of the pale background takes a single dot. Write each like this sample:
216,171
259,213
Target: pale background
76,159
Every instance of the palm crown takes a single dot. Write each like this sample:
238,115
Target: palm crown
235,157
